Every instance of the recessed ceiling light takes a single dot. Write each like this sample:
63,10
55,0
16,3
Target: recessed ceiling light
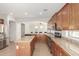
40,13
26,13
11,13
36,27
41,26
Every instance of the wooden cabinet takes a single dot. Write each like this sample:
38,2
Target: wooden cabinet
73,12
74,18
53,48
62,17
56,50
53,20
33,45
25,48
59,20
41,38
63,53
67,18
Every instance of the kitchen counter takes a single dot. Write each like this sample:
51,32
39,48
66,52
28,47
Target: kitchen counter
26,39
65,43
25,46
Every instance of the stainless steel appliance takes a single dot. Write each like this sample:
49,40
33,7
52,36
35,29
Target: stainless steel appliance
2,35
2,41
58,34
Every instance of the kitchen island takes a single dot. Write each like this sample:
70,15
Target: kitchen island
25,46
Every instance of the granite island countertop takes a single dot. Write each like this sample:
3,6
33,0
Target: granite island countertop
25,46
26,39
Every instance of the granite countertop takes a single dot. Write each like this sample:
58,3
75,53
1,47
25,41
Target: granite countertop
26,39
71,48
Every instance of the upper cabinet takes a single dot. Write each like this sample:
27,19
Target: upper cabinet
52,21
65,12
59,20
67,18
74,18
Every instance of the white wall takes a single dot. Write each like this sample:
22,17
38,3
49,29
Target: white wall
12,31
27,29
18,30
30,27
15,31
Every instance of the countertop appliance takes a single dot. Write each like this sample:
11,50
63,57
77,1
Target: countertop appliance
58,34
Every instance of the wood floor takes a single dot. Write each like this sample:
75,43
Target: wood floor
41,49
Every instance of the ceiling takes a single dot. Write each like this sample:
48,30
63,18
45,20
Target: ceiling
30,11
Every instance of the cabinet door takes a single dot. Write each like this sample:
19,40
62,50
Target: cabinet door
59,20
53,48
72,17
63,53
65,17
50,22
58,50
75,16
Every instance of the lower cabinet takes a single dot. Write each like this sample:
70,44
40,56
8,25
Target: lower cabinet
33,45
25,48
41,38
56,50
64,53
